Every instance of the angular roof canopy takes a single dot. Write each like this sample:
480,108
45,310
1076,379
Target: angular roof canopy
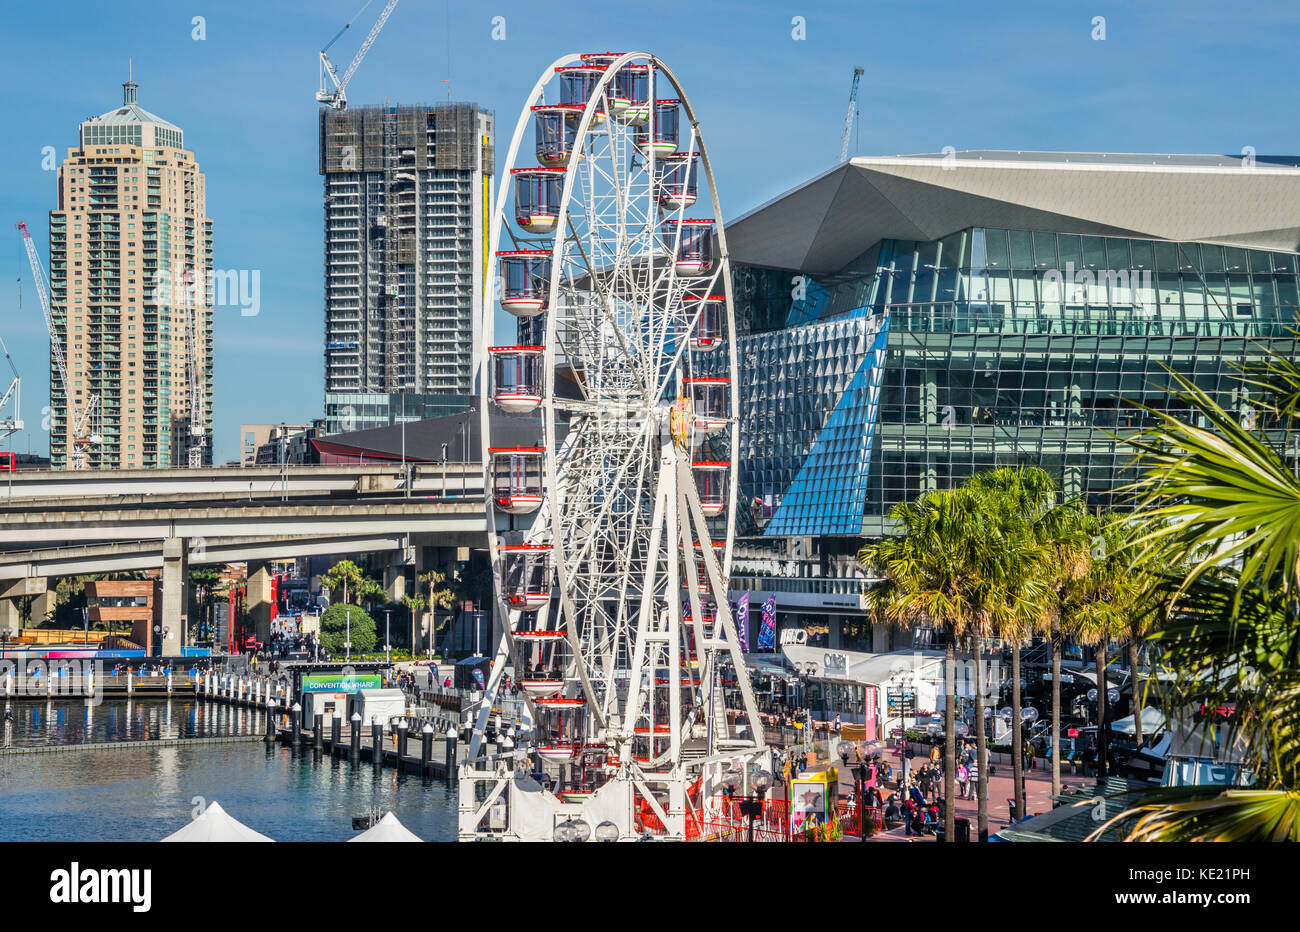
822,225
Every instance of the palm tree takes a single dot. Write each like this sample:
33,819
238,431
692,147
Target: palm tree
344,575
414,606
1102,602
932,577
1224,499
1022,501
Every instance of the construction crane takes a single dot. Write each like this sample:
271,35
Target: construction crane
195,443
82,425
848,117
337,98
12,423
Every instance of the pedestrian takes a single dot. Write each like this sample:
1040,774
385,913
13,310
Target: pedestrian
837,724
963,779
974,771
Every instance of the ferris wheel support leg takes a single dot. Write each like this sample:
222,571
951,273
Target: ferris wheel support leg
492,687
724,609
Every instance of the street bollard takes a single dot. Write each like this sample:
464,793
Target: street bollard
336,731
169,682
451,751
354,737
295,714
270,723
9,684
402,729
129,689
209,683
426,749
376,742
198,684
318,725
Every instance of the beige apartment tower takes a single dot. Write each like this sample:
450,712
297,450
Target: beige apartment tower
130,232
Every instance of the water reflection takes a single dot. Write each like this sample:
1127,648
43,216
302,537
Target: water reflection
74,721
145,794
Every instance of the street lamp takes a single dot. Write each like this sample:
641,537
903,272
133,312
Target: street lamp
388,641
606,831
751,806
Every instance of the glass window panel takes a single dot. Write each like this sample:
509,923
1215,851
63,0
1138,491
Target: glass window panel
1167,293
1240,286
1216,295
1189,257
1286,290
1143,254
1166,258
927,254
1045,251
1282,261
1025,292
950,248
1022,254
1262,292
1095,252
1117,255
1000,287
1212,257
947,287
995,245
1234,259
1071,246
1260,261
1193,297
978,250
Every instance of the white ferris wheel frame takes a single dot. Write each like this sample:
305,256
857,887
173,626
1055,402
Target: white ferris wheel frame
677,505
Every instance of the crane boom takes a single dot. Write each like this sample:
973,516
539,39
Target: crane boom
337,98
848,117
79,422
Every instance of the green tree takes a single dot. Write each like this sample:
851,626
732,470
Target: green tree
1021,503
347,577
1101,603
933,576
334,625
1219,495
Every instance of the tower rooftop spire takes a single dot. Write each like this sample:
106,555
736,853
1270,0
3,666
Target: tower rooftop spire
129,87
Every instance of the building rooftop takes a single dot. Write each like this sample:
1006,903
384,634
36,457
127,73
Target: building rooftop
132,114
822,225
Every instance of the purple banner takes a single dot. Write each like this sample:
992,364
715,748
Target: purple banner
767,633
742,621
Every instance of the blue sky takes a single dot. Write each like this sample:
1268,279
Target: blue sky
1169,77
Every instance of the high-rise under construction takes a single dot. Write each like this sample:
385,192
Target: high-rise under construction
407,195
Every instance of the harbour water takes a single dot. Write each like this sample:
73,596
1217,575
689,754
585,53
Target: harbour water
145,794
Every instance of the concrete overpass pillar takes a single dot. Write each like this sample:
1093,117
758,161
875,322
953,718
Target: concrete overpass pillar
43,605
394,582
175,595
10,621
258,602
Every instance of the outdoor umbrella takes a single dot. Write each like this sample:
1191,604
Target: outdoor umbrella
387,829
215,824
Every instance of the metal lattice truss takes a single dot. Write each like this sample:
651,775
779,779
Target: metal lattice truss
639,586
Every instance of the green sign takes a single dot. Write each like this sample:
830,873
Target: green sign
340,682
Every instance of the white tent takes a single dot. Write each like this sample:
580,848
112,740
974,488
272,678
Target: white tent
1152,721
215,824
387,829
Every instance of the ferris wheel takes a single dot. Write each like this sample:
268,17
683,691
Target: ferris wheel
611,531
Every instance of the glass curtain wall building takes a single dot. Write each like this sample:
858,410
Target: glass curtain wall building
1037,342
